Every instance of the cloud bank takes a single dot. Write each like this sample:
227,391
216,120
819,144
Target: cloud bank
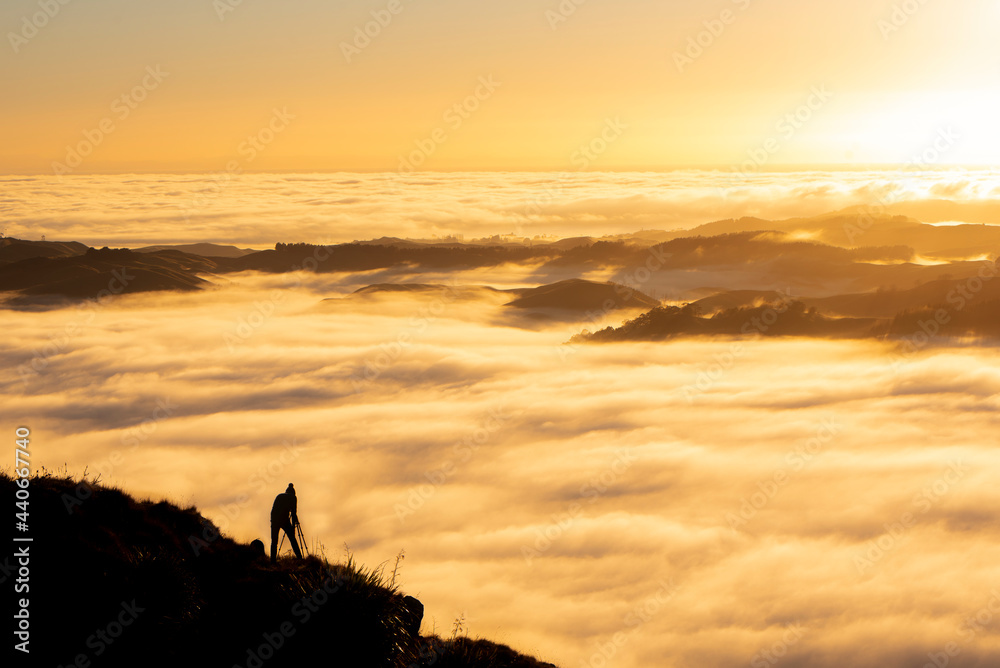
802,503
258,210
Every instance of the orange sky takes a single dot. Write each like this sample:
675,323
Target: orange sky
230,82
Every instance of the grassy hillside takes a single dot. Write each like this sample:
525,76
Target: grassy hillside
97,273
581,295
769,319
117,581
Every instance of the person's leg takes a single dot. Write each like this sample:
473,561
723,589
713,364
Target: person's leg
274,542
290,532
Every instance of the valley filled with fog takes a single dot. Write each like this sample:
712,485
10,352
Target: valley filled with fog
714,441
706,499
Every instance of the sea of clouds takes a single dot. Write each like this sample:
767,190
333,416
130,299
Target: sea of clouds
257,210
698,503
702,503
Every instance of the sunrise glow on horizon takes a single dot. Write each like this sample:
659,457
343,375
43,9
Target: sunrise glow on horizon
399,85
649,332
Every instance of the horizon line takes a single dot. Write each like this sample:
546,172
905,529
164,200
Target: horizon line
772,169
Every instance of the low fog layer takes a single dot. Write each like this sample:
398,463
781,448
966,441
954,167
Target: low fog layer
258,209
687,503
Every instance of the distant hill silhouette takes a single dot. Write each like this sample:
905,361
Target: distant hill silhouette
757,246
868,226
882,303
730,299
15,250
460,291
577,294
978,320
570,243
104,271
364,257
748,266
400,287
791,319
888,303
202,249
943,210
572,300
183,595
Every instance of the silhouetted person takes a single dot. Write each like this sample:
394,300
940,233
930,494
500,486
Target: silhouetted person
284,517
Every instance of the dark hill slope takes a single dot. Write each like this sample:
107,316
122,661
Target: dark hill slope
779,319
202,249
578,294
952,293
119,582
96,273
420,288
14,250
362,257
861,226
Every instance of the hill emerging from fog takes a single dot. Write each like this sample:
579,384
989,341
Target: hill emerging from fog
100,273
863,226
769,319
857,273
432,290
181,594
14,250
204,250
577,294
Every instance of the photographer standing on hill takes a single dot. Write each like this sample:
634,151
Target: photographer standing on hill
284,517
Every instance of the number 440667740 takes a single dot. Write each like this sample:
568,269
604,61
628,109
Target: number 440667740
21,456
21,452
